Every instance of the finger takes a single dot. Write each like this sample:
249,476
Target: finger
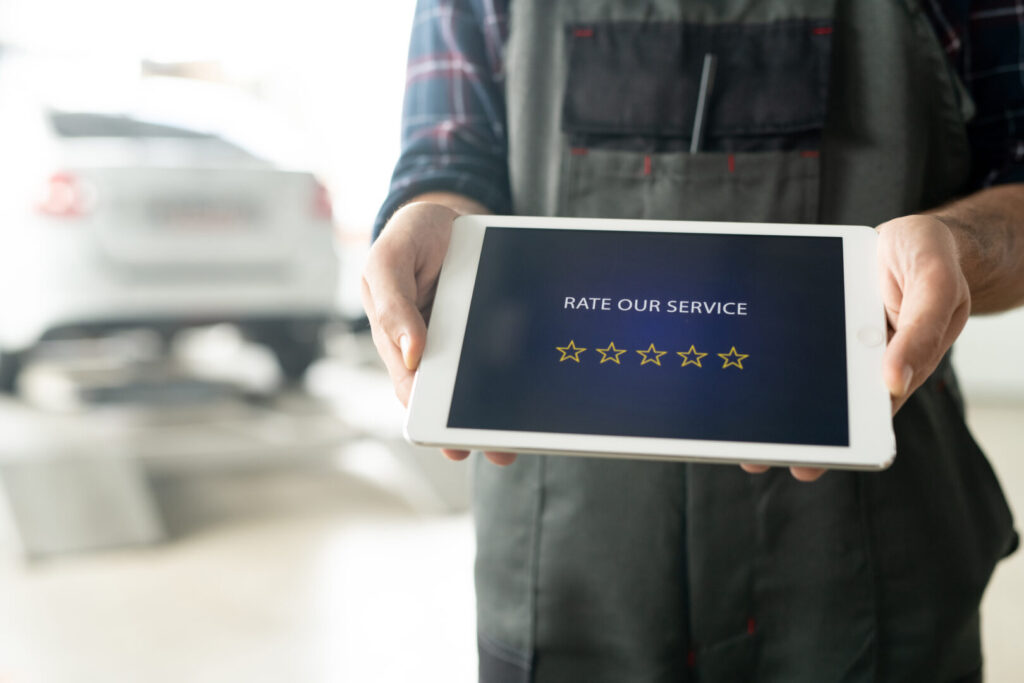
922,331
499,458
401,376
806,473
956,326
897,403
392,290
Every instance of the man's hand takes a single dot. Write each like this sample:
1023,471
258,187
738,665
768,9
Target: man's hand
927,299
398,287
927,302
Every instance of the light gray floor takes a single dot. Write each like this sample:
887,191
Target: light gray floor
288,576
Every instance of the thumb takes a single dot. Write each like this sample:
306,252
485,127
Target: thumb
392,295
403,324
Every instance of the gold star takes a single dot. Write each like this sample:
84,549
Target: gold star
570,352
686,356
611,353
657,355
733,358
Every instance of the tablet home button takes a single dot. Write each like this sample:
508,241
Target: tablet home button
870,336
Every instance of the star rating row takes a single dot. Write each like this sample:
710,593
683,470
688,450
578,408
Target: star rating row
610,354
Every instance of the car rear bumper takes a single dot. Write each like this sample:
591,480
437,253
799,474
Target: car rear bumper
171,298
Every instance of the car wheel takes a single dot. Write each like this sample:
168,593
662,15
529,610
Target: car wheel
11,365
295,359
295,344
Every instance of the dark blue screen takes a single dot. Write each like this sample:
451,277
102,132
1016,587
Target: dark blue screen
673,335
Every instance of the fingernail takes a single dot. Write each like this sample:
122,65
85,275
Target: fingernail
403,343
908,375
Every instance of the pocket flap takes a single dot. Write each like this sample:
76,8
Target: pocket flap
642,79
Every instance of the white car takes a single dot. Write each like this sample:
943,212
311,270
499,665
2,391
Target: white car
135,206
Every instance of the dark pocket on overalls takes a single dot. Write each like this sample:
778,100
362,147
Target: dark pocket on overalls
631,103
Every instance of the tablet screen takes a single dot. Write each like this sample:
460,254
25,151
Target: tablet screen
668,335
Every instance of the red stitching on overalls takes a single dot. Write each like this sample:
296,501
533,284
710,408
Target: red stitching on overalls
583,33
751,625
810,153
579,151
732,163
648,166
821,30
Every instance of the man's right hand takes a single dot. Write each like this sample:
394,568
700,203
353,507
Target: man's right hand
398,287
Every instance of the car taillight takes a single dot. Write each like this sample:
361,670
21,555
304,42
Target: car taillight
322,207
65,196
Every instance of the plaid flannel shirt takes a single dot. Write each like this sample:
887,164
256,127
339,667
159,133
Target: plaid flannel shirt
453,123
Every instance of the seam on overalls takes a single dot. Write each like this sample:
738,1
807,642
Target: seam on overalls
535,557
503,653
949,92
567,179
913,7
865,518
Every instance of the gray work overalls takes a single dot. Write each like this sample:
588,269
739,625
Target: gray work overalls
607,570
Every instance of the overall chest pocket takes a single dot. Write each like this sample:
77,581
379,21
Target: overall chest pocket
629,112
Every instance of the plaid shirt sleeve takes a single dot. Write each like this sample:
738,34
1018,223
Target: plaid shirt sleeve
985,43
453,121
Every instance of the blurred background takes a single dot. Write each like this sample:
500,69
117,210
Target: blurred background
201,465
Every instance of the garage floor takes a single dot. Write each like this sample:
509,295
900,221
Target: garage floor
307,576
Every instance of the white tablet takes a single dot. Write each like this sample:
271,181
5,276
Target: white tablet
737,342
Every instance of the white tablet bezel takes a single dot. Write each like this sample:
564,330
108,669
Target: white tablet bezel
872,442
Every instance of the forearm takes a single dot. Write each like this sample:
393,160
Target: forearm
988,227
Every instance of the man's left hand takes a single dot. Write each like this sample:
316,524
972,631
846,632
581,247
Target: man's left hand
927,302
926,296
